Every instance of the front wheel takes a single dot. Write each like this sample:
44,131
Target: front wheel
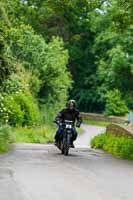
66,144
66,151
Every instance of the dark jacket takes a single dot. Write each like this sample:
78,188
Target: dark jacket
67,114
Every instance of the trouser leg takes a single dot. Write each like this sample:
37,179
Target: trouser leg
58,133
74,134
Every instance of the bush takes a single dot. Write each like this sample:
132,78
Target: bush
114,103
121,146
19,109
98,141
14,114
6,137
47,61
29,107
12,84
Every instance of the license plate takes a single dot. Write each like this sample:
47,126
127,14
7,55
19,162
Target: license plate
68,126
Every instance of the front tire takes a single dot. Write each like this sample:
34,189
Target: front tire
66,151
67,145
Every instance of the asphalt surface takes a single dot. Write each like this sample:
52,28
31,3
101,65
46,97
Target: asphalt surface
40,172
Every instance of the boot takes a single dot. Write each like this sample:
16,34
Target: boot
55,143
72,145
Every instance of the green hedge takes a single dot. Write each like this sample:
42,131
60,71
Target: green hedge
119,146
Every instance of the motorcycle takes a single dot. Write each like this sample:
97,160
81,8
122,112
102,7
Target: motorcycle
64,143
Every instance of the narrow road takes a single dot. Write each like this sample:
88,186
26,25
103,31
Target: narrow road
89,132
40,172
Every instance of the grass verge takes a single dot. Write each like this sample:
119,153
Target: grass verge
119,146
42,134
79,130
96,123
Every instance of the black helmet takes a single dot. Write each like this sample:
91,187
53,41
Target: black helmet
71,104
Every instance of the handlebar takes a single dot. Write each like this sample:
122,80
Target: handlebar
67,122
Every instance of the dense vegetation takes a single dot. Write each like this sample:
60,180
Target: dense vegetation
119,146
52,50
34,79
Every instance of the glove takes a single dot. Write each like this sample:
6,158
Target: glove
78,124
60,123
57,122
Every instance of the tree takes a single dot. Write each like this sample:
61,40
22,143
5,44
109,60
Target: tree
113,48
46,61
6,63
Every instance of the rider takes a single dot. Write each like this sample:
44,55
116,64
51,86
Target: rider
68,113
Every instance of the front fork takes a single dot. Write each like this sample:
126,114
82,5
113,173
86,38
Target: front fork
67,138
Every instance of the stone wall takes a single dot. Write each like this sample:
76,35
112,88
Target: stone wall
101,117
118,129
116,123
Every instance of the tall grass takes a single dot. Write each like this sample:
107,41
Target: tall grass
42,134
6,137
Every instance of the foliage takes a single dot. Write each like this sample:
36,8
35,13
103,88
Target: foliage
6,137
97,35
98,141
34,84
98,39
69,20
120,146
13,84
113,47
29,107
19,109
15,115
114,104
6,60
46,61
